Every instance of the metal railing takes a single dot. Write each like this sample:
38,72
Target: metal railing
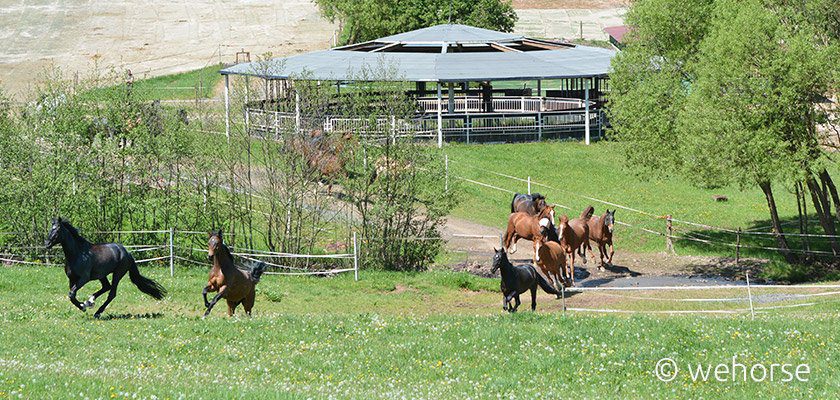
507,104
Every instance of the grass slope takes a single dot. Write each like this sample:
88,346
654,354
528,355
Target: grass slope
574,169
389,335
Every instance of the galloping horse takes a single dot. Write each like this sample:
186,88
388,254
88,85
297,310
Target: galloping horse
552,258
527,203
517,280
524,226
235,285
84,262
601,232
574,236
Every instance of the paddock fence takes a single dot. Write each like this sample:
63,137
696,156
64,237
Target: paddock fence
166,247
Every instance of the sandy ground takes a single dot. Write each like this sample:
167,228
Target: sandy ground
628,269
161,37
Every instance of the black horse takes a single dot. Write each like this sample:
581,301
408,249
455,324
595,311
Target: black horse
84,262
516,279
528,203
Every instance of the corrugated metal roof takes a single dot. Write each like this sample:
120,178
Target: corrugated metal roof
348,65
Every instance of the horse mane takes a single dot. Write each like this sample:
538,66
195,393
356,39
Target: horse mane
73,231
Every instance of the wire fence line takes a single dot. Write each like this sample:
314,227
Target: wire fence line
669,219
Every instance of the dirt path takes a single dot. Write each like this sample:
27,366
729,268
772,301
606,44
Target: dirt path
629,269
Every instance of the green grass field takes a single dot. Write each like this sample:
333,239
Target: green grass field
573,170
425,335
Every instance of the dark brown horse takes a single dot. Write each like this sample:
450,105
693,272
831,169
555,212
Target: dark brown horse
235,285
525,226
527,203
601,232
517,279
85,262
574,237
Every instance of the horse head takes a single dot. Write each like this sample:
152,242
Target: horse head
563,226
214,244
609,220
56,232
548,212
499,259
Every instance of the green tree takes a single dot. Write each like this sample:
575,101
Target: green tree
732,100
363,20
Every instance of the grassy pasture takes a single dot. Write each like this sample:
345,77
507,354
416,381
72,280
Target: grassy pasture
424,335
573,169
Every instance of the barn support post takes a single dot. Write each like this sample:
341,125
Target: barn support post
451,106
586,117
227,107
439,117
539,88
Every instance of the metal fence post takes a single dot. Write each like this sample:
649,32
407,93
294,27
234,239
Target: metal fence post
529,185
749,294
172,252
446,172
355,258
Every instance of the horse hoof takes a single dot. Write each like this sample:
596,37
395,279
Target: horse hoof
97,316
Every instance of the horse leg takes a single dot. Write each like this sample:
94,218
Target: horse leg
204,293
572,269
72,294
557,282
612,251
118,274
516,305
105,287
231,307
222,291
248,303
512,246
536,250
534,298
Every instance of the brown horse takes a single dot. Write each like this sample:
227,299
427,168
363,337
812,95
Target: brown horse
601,232
324,154
524,226
574,236
235,285
552,260
528,203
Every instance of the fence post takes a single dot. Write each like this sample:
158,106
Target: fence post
749,294
563,290
738,247
172,252
355,258
669,231
529,185
446,174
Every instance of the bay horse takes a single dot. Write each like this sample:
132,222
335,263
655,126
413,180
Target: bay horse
601,232
522,225
84,262
574,237
233,284
552,258
517,280
528,203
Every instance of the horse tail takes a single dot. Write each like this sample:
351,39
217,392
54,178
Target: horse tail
587,212
545,285
512,201
145,285
257,271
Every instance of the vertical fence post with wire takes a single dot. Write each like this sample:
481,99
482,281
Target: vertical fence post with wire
749,294
529,185
355,258
669,231
738,247
172,252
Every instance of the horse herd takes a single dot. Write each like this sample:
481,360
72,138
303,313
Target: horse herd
555,247
85,262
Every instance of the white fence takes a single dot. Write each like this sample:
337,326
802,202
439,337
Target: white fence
169,251
504,104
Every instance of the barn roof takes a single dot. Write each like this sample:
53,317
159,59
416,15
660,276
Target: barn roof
442,53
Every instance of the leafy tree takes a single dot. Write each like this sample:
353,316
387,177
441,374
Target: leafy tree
732,100
363,20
